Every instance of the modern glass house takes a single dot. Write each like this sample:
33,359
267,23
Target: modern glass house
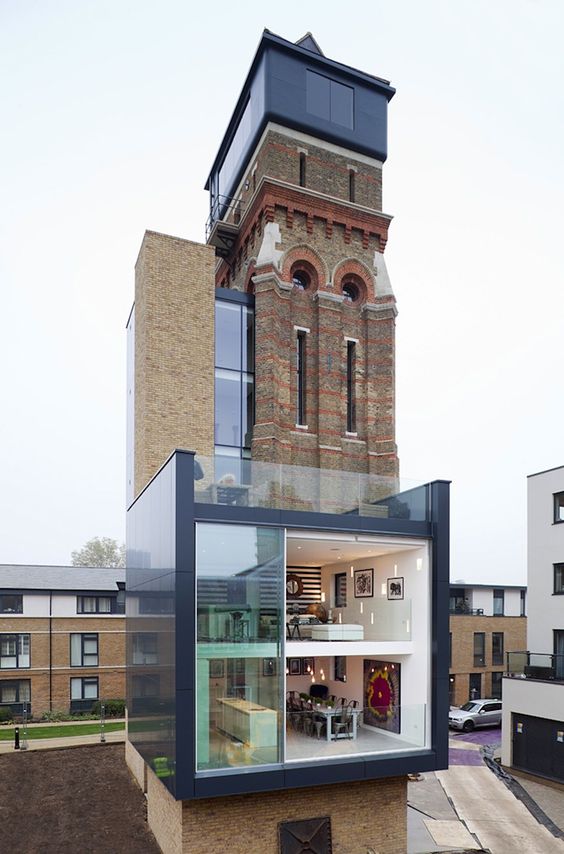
286,647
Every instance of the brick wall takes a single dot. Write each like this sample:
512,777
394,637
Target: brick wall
462,628
50,651
368,815
174,351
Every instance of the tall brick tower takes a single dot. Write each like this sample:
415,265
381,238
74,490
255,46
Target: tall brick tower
296,218
250,584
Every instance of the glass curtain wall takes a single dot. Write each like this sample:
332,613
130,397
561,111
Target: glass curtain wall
234,387
240,623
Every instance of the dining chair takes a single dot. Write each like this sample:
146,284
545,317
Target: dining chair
343,723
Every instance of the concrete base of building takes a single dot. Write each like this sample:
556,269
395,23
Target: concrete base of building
365,816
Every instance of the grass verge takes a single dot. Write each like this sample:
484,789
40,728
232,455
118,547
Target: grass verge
7,734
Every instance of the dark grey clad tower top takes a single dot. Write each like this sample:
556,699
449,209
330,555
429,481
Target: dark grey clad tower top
298,87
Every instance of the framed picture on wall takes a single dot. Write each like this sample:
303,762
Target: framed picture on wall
363,583
295,666
395,588
308,666
217,668
269,667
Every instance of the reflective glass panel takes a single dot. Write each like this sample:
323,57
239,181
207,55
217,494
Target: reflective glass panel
240,595
228,335
227,408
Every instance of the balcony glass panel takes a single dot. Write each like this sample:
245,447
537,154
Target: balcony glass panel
240,600
313,490
535,665
318,731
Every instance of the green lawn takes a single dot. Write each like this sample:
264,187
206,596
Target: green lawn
7,732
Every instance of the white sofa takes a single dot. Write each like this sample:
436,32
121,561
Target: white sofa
337,631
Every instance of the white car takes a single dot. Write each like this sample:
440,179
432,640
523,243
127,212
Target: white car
475,713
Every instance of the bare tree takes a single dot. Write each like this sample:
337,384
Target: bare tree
100,551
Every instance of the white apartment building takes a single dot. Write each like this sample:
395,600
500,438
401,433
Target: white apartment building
533,688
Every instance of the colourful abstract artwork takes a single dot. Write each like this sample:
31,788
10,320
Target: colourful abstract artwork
382,694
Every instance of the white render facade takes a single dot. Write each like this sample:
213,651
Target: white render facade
533,690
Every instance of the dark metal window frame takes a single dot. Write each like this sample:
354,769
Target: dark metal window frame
558,498
496,595
301,391
19,605
83,637
479,657
16,636
245,301
351,386
97,597
497,656
83,681
4,683
558,569
138,647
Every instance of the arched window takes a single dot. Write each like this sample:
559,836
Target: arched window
350,292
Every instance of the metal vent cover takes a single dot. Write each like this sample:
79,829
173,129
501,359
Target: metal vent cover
311,836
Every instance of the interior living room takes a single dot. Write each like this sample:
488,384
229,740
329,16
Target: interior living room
350,673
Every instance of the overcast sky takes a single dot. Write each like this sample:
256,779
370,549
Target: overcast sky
111,116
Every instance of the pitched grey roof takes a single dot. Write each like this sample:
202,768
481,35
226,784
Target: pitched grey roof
21,577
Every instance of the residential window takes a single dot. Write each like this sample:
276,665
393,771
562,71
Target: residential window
496,684
498,603
84,650
523,599
475,686
351,391
11,603
145,648
15,691
351,185
302,169
479,649
301,377
497,647
84,688
450,649
340,668
559,577
559,653
559,507
14,651
96,604
341,590
234,381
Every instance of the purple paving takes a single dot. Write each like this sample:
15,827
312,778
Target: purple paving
491,736
464,757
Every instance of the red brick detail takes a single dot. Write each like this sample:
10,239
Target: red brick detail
289,218
307,258
327,210
357,272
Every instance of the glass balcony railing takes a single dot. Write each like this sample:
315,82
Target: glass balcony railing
251,483
535,665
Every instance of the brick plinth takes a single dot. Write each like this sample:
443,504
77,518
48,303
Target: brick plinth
369,815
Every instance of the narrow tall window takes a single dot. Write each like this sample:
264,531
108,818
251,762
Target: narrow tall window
497,647
523,603
302,169
351,185
498,603
351,396
479,649
301,378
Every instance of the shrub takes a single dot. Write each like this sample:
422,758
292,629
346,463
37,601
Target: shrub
6,715
114,708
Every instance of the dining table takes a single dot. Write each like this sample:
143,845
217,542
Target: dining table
331,712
